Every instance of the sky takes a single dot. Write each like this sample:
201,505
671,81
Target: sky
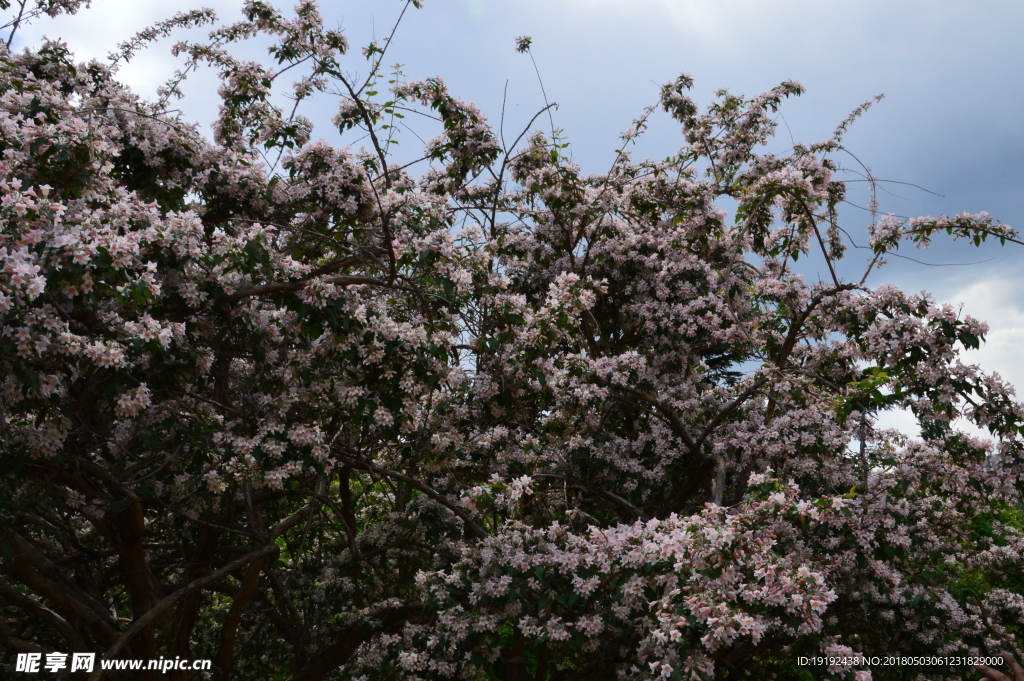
950,122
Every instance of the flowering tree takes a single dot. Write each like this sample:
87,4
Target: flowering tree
292,408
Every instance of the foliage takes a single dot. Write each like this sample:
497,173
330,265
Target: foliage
291,408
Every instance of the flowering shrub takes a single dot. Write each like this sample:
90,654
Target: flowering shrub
298,410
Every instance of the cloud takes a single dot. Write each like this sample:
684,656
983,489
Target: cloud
96,32
999,302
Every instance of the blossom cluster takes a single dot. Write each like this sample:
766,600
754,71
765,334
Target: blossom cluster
499,418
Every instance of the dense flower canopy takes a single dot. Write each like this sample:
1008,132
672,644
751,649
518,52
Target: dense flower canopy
314,414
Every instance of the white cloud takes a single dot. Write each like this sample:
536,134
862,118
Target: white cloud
1000,303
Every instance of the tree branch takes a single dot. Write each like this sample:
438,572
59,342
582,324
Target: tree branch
665,410
477,531
144,621
349,640
41,613
288,287
35,571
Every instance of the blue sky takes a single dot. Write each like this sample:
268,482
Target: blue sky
950,71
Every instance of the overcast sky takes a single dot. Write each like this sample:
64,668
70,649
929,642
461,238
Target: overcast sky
951,120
